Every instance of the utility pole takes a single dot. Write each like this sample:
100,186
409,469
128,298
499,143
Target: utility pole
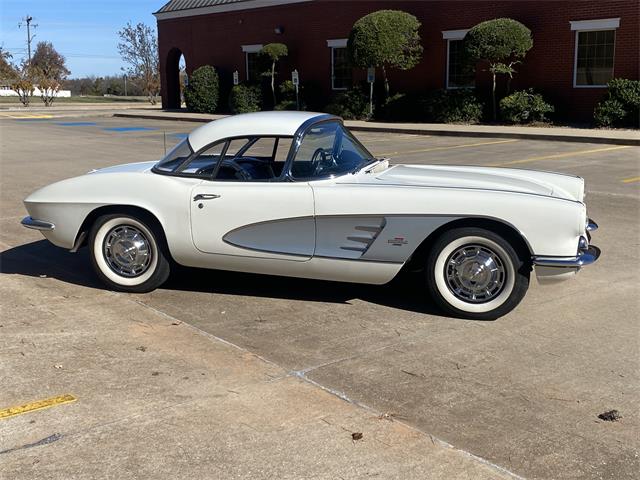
26,21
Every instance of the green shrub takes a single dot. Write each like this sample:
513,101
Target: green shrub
288,96
245,98
524,106
350,105
453,106
403,108
201,94
621,108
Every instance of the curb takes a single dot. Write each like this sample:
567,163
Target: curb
430,131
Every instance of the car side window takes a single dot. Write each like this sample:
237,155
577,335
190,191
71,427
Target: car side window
253,159
205,162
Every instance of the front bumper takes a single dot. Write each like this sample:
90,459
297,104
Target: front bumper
37,224
552,269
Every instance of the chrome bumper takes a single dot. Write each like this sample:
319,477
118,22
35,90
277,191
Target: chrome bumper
37,224
585,257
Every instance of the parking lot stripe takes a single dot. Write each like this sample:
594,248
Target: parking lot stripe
631,180
37,405
558,155
464,145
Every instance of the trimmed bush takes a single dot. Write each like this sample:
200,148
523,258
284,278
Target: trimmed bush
288,96
350,105
245,98
404,108
524,106
201,94
453,106
621,108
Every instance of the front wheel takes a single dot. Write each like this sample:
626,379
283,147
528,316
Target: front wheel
127,253
475,273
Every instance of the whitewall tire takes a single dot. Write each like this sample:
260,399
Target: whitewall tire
475,273
127,253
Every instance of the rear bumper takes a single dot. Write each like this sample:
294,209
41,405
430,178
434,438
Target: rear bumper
37,224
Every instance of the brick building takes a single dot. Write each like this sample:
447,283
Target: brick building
578,45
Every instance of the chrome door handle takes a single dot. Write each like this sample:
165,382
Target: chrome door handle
205,196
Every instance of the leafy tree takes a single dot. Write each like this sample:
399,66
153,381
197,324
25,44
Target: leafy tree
201,93
274,52
15,77
503,43
386,39
138,47
8,73
24,88
49,70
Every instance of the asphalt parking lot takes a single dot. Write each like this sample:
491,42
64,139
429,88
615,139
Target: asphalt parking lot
221,375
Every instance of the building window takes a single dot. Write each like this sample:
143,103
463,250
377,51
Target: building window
459,74
340,66
252,63
594,54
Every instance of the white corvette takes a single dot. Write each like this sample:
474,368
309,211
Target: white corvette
295,194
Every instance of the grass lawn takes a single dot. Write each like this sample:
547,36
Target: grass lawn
36,101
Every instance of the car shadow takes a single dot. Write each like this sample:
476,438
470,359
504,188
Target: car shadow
41,259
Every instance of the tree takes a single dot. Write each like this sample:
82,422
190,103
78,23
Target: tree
201,93
12,75
8,72
386,39
49,70
503,43
138,47
274,51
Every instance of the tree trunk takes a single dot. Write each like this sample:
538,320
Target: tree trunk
386,82
493,96
273,80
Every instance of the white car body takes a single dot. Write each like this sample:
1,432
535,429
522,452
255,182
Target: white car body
356,227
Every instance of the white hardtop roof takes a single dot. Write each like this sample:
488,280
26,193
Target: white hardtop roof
250,124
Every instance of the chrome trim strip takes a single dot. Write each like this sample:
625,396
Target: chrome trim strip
591,225
584,258
37,224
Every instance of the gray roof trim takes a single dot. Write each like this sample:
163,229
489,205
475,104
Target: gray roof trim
191,8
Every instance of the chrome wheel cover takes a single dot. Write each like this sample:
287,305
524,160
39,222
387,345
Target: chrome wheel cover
127,251
475,273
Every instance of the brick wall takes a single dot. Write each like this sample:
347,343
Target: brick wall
216,40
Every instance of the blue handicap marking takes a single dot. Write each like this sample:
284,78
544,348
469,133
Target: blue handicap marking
128,129
76,124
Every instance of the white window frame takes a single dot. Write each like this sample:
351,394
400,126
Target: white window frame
246,49
333,44
449,35
578,26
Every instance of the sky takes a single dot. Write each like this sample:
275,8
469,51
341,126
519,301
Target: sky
84,31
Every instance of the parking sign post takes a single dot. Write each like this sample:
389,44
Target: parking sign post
236,78
295,79
371,78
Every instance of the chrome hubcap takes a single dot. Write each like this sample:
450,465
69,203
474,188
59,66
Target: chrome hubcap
475,274
127,251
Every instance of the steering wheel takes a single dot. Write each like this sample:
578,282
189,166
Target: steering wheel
319,161
241,172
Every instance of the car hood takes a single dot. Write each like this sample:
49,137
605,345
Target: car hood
127,167
484,178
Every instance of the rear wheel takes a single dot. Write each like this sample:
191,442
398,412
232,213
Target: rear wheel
127,253
475,273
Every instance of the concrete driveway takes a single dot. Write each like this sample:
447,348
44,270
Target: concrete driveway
221,375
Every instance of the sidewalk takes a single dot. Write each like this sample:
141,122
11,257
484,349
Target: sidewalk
564,134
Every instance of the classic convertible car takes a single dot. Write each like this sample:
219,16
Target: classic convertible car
296,194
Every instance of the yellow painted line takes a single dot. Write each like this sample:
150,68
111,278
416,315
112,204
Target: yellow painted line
464,145
31,116
559,155
38,405
631,180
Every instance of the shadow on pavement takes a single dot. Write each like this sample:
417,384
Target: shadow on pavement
38,259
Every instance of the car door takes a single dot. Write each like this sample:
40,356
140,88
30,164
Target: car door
262,219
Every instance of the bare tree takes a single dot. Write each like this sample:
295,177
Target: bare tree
49,69
138,48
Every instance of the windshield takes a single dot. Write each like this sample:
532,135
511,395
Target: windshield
328,149
175,157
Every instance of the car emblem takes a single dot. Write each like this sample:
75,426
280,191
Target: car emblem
397,241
